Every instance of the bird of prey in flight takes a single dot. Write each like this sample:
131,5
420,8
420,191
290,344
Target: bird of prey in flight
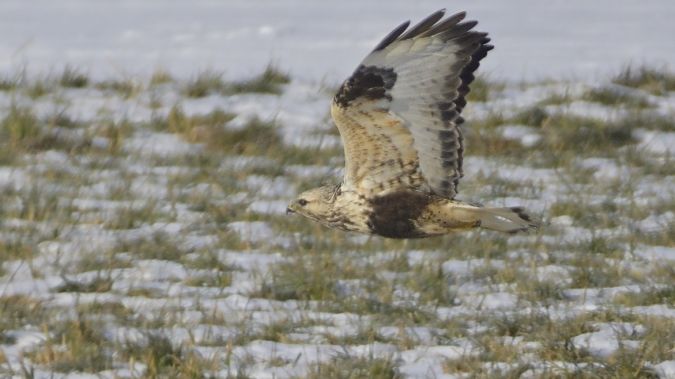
399,116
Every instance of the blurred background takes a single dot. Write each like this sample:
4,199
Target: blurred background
148,151
325,40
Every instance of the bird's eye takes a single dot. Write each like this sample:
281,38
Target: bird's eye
302,202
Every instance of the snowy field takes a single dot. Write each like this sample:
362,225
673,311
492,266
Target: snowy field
148,150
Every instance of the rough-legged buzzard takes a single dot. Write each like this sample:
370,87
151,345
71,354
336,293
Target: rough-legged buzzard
399,117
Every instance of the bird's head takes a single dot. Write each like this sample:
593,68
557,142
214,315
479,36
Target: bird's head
316,204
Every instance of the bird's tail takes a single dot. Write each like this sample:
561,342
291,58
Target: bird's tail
508,220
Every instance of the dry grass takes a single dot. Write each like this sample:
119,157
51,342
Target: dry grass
343,367
171,252
653,80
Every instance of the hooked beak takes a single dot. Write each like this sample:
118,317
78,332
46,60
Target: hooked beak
289,211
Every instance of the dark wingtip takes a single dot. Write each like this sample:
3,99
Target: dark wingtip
532,224
424,25
391,37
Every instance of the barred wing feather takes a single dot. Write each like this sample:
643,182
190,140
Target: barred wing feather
399,112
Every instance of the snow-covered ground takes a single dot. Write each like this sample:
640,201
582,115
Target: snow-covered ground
135,240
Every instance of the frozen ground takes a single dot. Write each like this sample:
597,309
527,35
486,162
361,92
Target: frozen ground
142,225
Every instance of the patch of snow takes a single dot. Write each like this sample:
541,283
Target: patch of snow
253,231
588,110
265,186
526,135
465,267
268,206
656,253
25,341
606,169
491,301
420,334
658,310
608,339
13,178
309,171
656,142
656,223
159,144
563,221
665,369
240,162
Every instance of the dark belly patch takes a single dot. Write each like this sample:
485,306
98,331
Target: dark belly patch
393,215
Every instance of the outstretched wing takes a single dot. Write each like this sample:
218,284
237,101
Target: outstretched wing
399,112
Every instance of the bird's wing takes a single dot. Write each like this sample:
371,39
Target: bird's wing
399,112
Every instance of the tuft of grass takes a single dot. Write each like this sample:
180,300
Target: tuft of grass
73,78
596,273
158,245
649,120
561,133
39,87
198,128
115,132
481,88
489,122
36,205
125,88
650,79
22,131
20,128
345,366
133,216
485,142
396,262
102,261
555,99
515,325
270,81
432,285
61,119
306,281
614,97
10,82
209,82
11,249
256,137
164,360
647,296
564,132
534,116
99,284
160,77
204,84
19,311
540,291
77,345
219,274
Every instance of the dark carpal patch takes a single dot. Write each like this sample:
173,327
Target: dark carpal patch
370,82
393,214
